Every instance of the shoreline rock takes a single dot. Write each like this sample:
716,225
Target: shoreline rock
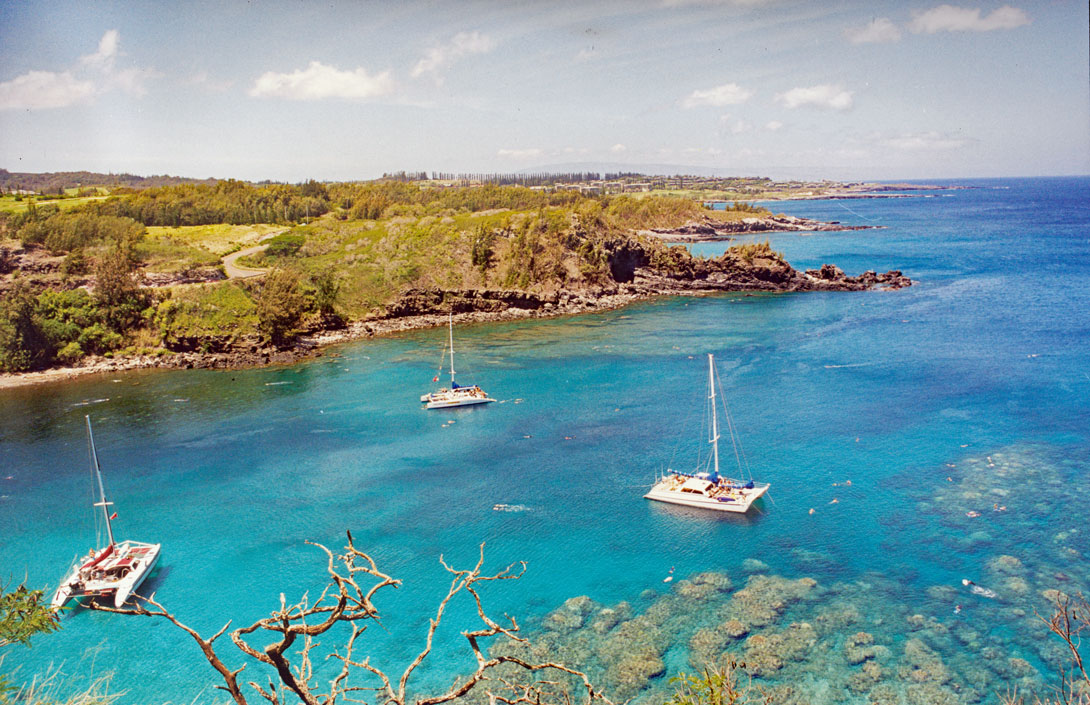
428,308
710,229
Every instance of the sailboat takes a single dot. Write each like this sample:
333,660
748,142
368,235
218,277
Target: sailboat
457,394
710,490
116,569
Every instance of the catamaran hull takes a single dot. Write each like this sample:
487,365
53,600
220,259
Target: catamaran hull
449,403
72,587
737,505
136,578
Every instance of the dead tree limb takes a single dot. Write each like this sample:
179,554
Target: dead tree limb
297,628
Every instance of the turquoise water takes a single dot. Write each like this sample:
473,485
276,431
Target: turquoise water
986,357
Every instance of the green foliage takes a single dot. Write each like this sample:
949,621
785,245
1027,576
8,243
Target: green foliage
286,245
164,253
24,613
65,232
717,686
747,207
630,213
483,241
116,292
326,289
37,329
230,201
221,313
74,263
23,345
280,306
750,251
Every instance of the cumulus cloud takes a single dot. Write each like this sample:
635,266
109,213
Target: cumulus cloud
318,81
519,153
618,148
92,75
880,30
726,94
947,18
36,90
827,96
107,51
774,125
462,44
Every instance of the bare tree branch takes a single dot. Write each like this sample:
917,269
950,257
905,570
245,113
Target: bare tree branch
297,629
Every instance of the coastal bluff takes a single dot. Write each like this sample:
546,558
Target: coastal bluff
640,272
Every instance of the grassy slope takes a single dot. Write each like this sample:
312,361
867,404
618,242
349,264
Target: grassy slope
8,203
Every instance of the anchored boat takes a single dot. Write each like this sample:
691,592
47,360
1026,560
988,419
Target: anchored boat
705,488
457,394
114,570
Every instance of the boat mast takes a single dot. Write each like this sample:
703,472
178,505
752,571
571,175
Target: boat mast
451,324
715,421
98,475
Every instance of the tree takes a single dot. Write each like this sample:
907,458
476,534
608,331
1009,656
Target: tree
23,345
280,306
23,613
326,290
349,601
116,289
717,686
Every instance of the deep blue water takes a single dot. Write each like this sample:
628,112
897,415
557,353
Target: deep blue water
988,354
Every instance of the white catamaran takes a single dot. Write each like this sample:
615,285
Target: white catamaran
457,395
116,569
710,490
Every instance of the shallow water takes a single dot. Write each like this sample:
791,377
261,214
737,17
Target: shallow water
986,356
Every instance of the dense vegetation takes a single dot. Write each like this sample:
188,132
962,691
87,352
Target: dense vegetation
58,182
336,251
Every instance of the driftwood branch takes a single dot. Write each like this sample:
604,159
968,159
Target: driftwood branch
230,677
1069,619
348,599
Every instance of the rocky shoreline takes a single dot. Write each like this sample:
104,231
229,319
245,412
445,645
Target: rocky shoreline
711,230
637,278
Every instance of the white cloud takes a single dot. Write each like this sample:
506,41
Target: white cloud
36,90
107,51
947,18
462,44
133,80
881,30
318,81
618,148
519,153
726,94
824,96
774,126
923,142
94,74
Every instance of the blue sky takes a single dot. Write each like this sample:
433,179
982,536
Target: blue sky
339,90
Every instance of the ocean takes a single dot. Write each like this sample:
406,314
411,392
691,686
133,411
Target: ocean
913,439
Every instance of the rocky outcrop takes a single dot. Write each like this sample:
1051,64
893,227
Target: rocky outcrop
641,272
712,229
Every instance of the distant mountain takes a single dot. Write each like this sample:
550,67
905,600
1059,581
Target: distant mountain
56,181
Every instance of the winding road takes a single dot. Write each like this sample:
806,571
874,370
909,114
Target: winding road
234,271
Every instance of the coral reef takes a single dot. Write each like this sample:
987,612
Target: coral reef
877,639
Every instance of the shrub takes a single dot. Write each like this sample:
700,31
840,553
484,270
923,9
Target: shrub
280,306
286,245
